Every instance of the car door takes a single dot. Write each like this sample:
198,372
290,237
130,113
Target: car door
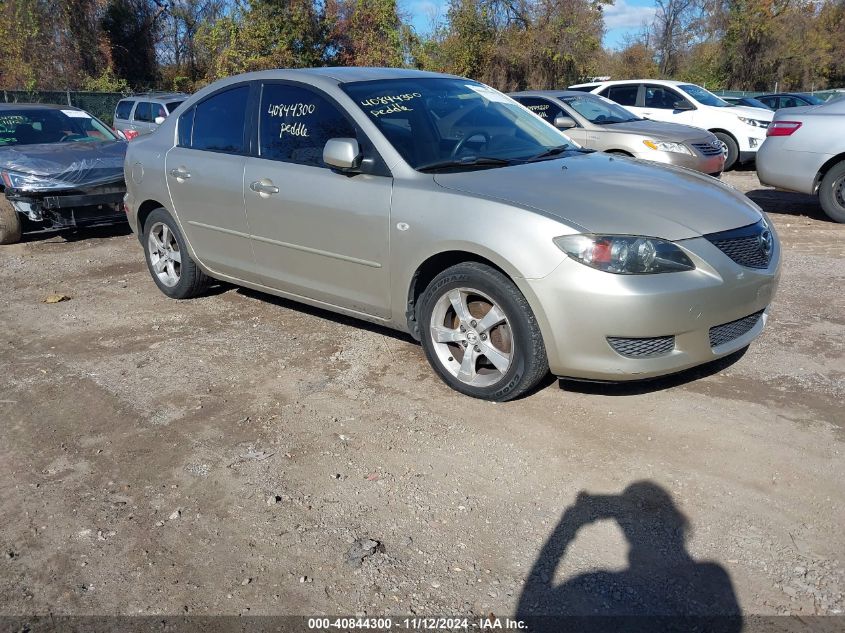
317,232
659,104
142,117
205,172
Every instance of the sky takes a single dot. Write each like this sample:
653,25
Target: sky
621,18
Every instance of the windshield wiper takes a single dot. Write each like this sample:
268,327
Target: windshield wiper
554,151
468,161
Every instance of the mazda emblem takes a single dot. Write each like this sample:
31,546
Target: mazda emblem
766,242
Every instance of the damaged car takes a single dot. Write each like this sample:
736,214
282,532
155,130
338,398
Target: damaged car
60,167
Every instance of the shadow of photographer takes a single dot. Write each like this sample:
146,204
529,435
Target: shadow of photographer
663,588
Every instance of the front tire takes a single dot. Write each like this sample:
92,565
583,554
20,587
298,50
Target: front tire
832,192
479,333
731,149
10,222
168,260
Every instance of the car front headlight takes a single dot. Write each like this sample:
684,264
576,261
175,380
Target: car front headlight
625,254
754,122
666,146
17,180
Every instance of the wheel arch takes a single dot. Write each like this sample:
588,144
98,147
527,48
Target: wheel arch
144,210
433,266
830,164
722,130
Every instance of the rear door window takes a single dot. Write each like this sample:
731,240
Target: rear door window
623,95
143,112
219,121
123,110
295,124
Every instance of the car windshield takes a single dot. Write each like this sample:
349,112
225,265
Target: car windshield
34,126
435,121
599,110
704,97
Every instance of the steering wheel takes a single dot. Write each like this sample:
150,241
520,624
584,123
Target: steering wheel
71,137
471,134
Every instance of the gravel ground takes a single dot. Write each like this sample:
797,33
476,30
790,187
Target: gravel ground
241,454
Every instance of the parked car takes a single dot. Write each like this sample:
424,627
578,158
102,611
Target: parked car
805,152
598,123
782,100
741,129
60,167
751,102
438,206
142,114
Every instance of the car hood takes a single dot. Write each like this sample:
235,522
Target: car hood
598,193
65,165
659,130
751,113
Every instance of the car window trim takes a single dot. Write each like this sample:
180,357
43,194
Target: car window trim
380,166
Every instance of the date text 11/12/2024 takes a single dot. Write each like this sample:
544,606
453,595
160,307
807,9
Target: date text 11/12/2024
416,623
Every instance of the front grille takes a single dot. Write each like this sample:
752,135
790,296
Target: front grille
642,347
749,246
727,332
709,150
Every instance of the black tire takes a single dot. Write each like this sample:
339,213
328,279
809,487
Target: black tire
191,280
832,192
528,362
733,149
10,222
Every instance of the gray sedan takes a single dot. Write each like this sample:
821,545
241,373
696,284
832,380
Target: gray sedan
440,207
804,151
598,123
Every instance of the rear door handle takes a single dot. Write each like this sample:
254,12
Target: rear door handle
264,187
180,174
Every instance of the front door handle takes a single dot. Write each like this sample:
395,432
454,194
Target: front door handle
180,173
264,188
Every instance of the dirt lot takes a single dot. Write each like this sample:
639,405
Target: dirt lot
233,454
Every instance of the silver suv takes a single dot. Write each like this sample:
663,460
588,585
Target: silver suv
438,206
141,114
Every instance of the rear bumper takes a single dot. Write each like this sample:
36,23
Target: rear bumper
783,168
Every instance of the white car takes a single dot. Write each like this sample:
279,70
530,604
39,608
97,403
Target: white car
805,152
741,129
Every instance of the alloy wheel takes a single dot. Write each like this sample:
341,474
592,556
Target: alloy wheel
471,336
165,255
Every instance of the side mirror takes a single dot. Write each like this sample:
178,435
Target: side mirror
343,153
120,135
683,104
159,120
563,122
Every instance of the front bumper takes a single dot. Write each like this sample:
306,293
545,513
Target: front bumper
72,208
579,308
712,165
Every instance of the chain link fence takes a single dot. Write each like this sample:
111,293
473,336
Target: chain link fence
100,104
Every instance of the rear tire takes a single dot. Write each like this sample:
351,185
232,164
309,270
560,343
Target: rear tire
479,333
732,149
832,193
10,222
171,266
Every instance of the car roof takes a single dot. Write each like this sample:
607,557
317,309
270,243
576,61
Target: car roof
157,96
660,82
37,106
550,93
